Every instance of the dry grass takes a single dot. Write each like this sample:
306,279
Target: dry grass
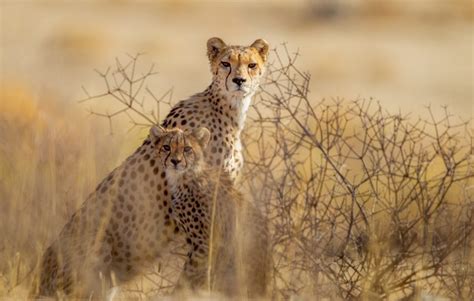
45,174
363,204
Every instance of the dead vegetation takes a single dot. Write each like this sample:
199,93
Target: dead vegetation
363,204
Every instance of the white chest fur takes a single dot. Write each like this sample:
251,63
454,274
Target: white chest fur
241,105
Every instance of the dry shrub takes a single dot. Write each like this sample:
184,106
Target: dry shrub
363,204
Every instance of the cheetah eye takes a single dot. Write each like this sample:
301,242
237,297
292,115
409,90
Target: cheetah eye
225,64
187,149
252,65
166,148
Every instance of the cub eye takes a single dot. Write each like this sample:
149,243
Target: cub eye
225,64
187,149
252,65
166,148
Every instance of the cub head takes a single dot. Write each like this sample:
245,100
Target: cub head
177,150
237,70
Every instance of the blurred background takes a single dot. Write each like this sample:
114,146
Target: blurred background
404,53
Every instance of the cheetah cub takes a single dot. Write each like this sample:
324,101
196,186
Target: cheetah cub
227,237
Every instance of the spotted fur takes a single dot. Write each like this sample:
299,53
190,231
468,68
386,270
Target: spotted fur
222,107
227,237
127,223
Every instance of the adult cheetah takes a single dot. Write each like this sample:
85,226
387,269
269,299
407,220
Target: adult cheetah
227,236
222,107
126,223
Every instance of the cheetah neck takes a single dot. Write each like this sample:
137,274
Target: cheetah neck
237,105
242,106
175,179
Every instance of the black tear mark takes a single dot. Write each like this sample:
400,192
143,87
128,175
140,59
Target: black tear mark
166,158
230,71
184,153
167,155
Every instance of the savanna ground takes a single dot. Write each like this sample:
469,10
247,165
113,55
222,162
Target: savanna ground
364,201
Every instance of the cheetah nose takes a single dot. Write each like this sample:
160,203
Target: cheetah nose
175,162
239,80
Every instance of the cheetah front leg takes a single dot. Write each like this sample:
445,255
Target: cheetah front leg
93,274
195,273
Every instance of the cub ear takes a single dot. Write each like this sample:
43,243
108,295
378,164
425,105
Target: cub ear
214,47
202,135
157,131
262,48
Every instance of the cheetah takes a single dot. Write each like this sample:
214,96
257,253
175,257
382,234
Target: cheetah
126,224
227,237
223,106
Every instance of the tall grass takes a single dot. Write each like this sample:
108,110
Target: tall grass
363,204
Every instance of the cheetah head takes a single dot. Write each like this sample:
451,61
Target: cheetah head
177,150
237,70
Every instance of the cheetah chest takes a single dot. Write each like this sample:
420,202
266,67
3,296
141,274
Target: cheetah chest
190,209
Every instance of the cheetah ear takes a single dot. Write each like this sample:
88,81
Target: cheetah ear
262,48
202,135
157,131
214,46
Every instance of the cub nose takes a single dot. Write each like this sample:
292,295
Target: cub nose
175,162
239,80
